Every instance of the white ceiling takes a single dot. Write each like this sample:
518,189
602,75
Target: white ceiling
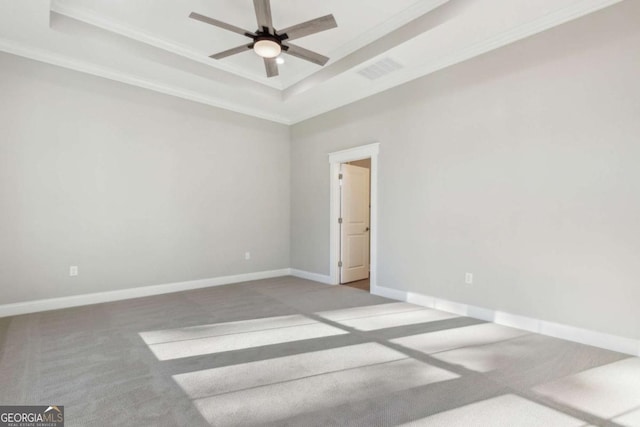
153,44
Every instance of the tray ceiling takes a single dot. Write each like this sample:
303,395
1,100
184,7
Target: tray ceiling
378,44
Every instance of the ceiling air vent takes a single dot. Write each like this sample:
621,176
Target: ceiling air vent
380,69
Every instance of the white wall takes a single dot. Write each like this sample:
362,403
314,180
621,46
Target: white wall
520,166
134,187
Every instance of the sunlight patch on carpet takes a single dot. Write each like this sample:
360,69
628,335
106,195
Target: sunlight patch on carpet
277,402
397,319
474,335
501,411
227,379
608,391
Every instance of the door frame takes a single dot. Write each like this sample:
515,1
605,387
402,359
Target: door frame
335,160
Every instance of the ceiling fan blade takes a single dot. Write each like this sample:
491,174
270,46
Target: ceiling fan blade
307,55
263,14
310,27
221,24
271,66
230,52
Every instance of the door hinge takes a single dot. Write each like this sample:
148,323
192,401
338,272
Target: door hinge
340,176
339,220
339,263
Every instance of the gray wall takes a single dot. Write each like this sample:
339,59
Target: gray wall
520,166
134,187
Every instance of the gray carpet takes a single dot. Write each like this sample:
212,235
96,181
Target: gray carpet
288,351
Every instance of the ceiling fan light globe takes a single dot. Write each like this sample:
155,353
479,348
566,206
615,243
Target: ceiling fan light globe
267,48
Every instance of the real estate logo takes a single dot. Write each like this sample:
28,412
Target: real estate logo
32,416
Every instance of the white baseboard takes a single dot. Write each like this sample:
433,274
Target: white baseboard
543,327
144,291
316,277
389,293
557,330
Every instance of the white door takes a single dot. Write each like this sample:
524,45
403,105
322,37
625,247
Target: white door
354,230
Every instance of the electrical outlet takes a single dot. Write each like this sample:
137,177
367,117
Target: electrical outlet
247,256
73,270
468,278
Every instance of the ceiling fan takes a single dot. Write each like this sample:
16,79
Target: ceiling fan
269,43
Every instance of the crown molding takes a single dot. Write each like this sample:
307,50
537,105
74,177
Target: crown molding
155,41
513,35
36,54
381,30
576,10
364,39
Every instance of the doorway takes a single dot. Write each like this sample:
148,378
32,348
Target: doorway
353,159
355,205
